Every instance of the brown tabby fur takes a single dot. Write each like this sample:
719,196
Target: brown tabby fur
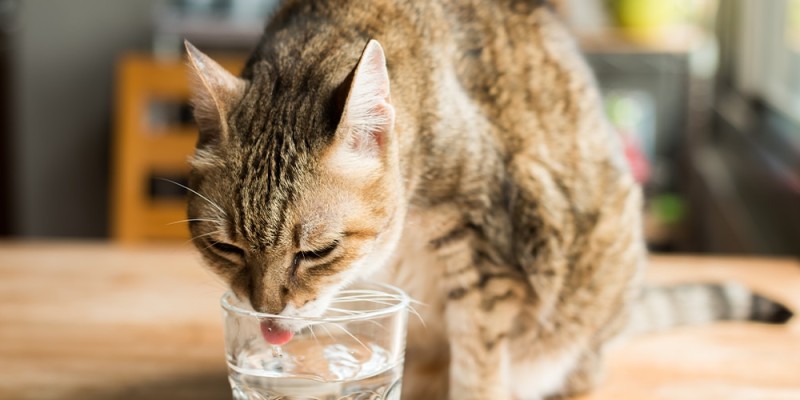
498,197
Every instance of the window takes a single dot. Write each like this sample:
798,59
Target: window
769,54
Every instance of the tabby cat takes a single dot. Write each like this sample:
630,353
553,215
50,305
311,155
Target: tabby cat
455,148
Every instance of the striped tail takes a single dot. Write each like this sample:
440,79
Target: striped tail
661,307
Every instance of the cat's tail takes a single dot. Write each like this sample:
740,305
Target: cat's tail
661,307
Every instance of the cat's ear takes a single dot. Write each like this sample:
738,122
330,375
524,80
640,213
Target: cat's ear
214,92
368,114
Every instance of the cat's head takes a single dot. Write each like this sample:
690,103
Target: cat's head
296,184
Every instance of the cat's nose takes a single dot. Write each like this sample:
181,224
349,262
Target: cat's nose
267,286
265,302
269,308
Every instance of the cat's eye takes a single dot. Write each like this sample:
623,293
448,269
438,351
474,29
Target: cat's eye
228,248
314,254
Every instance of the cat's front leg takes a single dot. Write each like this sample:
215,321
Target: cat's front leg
479,317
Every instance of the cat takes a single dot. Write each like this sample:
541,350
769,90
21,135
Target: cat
455,148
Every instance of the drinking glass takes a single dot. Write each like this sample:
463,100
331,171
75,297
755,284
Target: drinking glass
355,350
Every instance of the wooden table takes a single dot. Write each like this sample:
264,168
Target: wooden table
98,321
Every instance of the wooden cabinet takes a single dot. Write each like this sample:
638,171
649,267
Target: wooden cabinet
153,139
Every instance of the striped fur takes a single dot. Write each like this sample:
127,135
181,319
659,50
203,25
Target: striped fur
456,148
662,307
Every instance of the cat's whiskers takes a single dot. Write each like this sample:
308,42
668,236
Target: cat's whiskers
379,298
419,317
385,302
352,336
193,238
192,220
376,323
345,331
211,245
207,234
330,335
215,205
311,330
373,293
351,312
366,291
343,311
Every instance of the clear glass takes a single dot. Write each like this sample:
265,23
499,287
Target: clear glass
353,351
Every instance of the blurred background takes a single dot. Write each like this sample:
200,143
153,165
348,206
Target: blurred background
706,93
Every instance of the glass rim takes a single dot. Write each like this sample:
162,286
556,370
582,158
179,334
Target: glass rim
402,303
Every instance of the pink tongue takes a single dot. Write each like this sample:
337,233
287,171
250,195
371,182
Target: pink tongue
274,335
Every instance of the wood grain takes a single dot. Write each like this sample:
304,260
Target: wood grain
726,360
100,321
